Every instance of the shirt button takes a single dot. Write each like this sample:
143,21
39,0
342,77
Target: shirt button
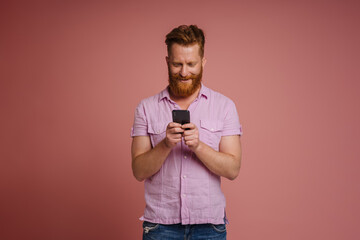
212,129
185,157
184,176
184,195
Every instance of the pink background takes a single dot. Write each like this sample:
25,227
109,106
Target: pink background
72,73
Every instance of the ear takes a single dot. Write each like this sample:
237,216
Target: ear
167,59
203,62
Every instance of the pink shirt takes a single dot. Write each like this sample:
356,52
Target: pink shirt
184,190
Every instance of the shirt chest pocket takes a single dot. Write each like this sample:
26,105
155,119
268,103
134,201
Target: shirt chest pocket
157,132
210,132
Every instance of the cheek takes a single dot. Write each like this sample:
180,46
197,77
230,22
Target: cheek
195,71
173,71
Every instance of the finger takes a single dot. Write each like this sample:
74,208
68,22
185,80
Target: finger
173,125
189,132
176,140
179,130
190,143
188,125
190,138
177,136
174,137
176,130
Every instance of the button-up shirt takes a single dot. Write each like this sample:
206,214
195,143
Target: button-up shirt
184,190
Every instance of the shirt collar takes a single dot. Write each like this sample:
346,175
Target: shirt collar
204,92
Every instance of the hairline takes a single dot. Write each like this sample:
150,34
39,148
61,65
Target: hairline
186,45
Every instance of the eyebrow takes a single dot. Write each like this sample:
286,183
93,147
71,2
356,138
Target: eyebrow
188,63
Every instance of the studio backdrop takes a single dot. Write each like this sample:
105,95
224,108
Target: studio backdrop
72,73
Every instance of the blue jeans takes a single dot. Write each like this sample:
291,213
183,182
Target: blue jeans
154,231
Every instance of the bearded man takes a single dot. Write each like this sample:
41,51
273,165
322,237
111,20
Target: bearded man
182,164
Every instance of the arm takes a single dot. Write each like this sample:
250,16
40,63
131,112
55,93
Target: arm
225,162
146,161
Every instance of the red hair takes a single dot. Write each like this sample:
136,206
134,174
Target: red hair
186,35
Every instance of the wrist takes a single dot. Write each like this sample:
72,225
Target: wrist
166,145
197,148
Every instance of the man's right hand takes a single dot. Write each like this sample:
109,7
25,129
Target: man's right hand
173,134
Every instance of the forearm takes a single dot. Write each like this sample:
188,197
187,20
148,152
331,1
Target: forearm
222,164
148,163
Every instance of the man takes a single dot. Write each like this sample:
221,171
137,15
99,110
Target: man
182,164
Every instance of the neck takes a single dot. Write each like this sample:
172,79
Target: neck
184,102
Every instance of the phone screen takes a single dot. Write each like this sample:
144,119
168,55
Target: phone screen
181,116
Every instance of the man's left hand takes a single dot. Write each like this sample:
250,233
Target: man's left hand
191,136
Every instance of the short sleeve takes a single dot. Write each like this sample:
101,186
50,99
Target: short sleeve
140,126
232,124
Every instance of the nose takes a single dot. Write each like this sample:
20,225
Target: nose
184,71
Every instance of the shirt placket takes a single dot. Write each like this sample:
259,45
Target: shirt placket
186,154
183,185
184,211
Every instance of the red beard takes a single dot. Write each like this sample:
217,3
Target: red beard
180,89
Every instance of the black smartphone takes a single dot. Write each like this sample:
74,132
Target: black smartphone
181,116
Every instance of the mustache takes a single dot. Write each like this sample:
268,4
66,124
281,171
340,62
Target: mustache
178,77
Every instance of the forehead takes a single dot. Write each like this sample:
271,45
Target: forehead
184,52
